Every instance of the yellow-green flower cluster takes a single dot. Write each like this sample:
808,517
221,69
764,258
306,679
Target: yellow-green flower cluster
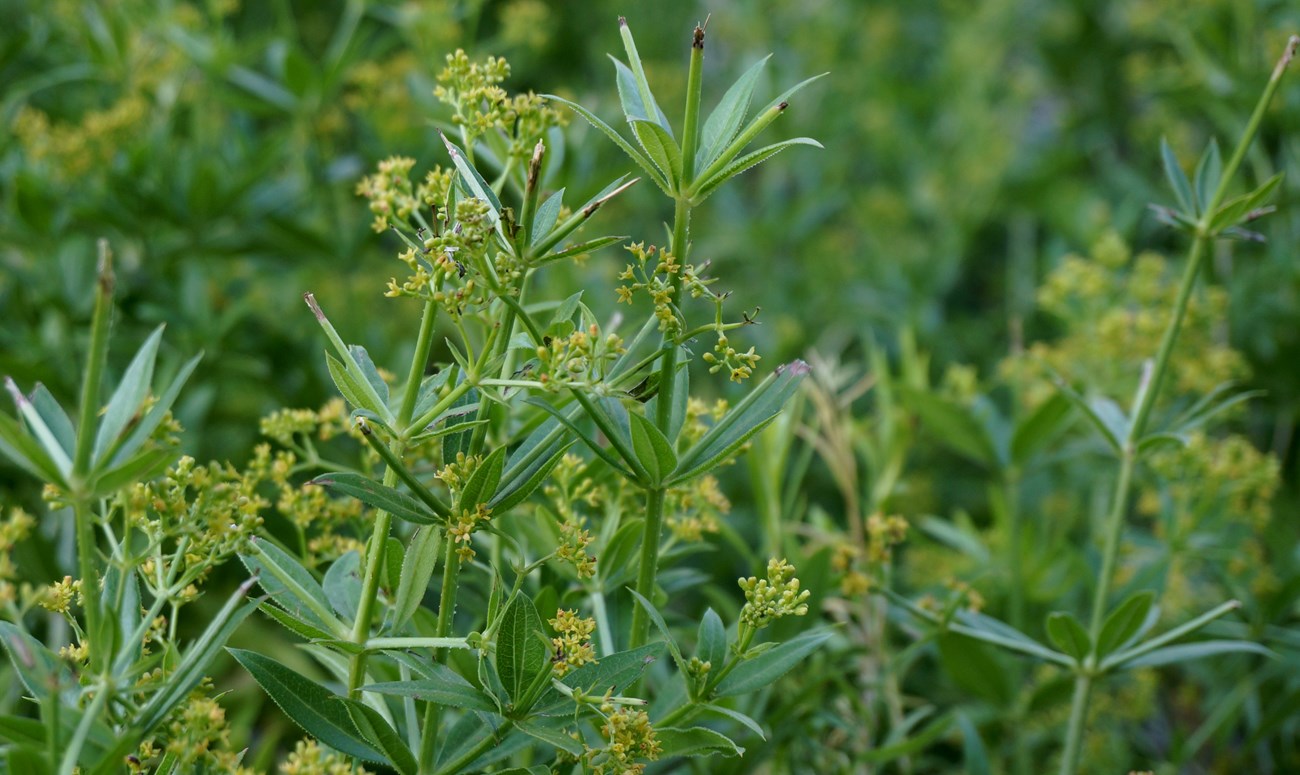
629,737
309,759
572,642
655,282
740,365
578,358
769,599
479,105
693,508
13,531
461,529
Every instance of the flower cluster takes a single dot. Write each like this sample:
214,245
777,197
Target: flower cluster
462,527
577,358
12,532
630,737
573,640
309,759
692,509
769,599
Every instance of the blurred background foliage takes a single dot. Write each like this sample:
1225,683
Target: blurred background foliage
983,188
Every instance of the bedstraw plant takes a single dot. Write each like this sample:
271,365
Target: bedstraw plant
537,462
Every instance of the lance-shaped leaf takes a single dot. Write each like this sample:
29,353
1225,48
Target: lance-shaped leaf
643,105
1238,209
652,450
1068,635
42,432
1186,652
347,374
613,673
376,730
548,213
1126,622
696,742
657,620
418,564
521,650
1209,171
1177,179
308,704
526,472
725,120
744,420
1103,413
475,183
380,496
635,154
764,669
129,395
142,430
708,185
442,686
291,585
25,452
1037,429
711,641
662,150
481,484
587,438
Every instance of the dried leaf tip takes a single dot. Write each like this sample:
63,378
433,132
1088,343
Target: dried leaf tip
310,298
622,21
104,267
783,106
1287,55
19,399
797,368
697,41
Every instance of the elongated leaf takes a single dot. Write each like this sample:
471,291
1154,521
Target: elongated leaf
657,620
652,449
974,668
308,704
582,248
48,440
378,495
1104,414
22,731
743,421
1039,428
1068,635
554,736
26,453
290,585
521,652
376,730
764,669
417,568
351,389
1177,178
736,716
518,485
483,482
613,673
633,87
342,584
635,154
1209,171
1124,622
157,413
725,120
546,216
1186,652
40,670
661,149
697,742
583,436
443,688
454,444
1234,210
752,159
475,182
711,643
55,418
294,624
129,395
143,467
198,658
911,743
681,394
369,371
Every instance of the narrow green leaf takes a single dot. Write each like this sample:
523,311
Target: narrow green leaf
764,669
652,449
308,704
1209,171
952,425
681,393
725,120
1177,178
1186,652
632,152
553,736
197,659
585,437
1104,414
1037,429
376,730
457,443
582,248
517,485
417,568
482,484
1234,210
736,716
342,585
129,395
26,453
369,371
378,495
54,451
744,420
657,619
643,104
58,421
293,623
475,182
546,216
1124,622
1068,635
39,669
752,159
521,652
291,585
144,429
22,731
444,687
974,668
661,149
696,742
144,467
711,642
350,389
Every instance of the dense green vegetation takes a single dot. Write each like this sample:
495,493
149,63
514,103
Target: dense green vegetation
1036,479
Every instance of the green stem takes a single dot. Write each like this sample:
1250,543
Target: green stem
88,411
446,609
647,570
383,521
1114,526
93,713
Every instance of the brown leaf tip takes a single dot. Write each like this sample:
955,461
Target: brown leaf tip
310,298
622,21
698,40
796,368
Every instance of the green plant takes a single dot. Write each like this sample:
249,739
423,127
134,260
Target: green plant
466,450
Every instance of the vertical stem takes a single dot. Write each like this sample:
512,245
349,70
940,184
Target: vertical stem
1146,400
1010,498
383,521
446,608
648,568
96,358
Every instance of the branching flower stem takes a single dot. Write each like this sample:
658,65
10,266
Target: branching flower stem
1147,393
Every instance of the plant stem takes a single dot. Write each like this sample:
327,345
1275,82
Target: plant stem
383,521
446,608
1114,526
459,763
647,570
